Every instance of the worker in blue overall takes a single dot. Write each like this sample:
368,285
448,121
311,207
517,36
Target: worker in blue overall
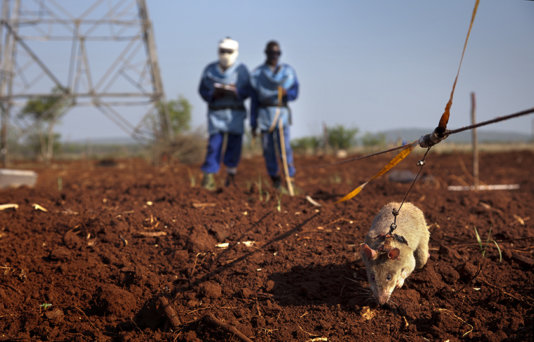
273,84
224,85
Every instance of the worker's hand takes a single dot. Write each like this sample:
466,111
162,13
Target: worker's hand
231,88
254,132
222,90
217,93
284,91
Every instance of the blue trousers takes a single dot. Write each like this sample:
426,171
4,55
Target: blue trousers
232,155
271,144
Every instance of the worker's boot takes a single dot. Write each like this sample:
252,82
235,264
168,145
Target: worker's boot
277,182
230,179
208,181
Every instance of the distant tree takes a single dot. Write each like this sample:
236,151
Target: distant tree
305,144
179,112
370,139
45,112
341,138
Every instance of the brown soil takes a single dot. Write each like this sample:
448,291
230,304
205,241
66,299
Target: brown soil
117,239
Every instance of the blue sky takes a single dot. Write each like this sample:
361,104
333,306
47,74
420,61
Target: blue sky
374,65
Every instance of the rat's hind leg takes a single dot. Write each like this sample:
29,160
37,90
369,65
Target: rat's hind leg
421,254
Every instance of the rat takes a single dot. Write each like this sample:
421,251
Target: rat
391,256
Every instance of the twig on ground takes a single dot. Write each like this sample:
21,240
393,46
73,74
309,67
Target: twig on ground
13,288
312,201
460,319
170,312
203,205
500,289
87,318
124,241
214,321
9,206
150,234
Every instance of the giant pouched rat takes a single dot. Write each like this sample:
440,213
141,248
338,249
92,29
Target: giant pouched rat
390,257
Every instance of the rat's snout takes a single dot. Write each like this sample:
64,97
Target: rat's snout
383,297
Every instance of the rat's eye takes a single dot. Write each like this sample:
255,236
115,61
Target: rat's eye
372,277
388,277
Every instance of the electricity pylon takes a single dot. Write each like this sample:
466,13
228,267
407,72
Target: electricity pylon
97,53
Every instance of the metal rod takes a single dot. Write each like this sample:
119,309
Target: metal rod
46,21
157,83
75,94
6,73
497,119
32,54
448,132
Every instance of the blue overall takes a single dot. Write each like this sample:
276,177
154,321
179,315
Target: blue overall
264,106
226,114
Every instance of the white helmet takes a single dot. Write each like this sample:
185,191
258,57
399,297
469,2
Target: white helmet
228,51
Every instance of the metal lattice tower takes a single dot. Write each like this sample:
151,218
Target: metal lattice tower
58,44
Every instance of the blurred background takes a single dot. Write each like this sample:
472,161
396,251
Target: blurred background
372,72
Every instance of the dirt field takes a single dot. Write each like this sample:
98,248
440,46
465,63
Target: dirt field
243,263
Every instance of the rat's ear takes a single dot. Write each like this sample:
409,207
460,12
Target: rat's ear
368,252
394,253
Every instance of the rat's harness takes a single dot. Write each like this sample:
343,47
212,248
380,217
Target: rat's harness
390,236
388,239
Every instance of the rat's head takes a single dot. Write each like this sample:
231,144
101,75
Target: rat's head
384,271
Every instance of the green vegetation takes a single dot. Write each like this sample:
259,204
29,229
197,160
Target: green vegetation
179,112
484,244
45,306
262,192
341,138
373,139
44,113
306,145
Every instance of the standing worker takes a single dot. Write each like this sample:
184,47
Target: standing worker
274,84
224,86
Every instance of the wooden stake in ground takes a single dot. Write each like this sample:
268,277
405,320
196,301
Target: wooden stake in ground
474,141
476,182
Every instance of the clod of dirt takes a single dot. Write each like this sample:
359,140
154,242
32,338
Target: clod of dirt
449,274
409,302
467,271
111,299
191,336
246,292
269,286
211,289
193,303
220,232
55,315
448,252
199,240
72,240
60,254
523,260
181,256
